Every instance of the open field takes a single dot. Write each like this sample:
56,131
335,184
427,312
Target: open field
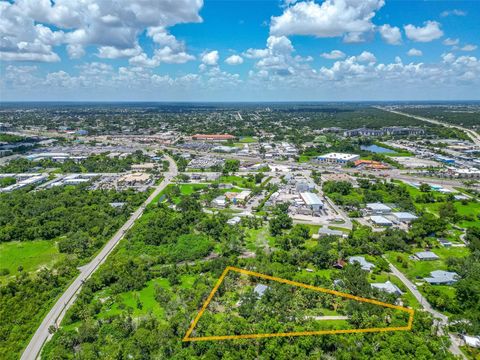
31,255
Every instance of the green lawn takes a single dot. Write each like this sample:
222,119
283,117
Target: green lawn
237,181
146,297
188,189
258,238
471,208
304,158
248,140
32,255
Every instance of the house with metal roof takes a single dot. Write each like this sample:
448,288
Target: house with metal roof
388,287
364,264
441,277
425,256
325,231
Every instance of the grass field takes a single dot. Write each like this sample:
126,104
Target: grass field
248,140
305,158
258,238
31,255
188,189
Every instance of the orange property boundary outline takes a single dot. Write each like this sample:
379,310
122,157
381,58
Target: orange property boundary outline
304,333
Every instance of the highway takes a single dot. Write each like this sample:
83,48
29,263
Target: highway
471,133
442,320
56,314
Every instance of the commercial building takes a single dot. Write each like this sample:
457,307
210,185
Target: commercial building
134,178
392,130
405,217
238,196
304,186
337,158
378,208
312,200
213,137
380,221
371,164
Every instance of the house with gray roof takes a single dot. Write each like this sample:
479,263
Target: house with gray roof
425,256
364,264
441,277
388,287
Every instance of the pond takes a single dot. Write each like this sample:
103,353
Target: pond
377,149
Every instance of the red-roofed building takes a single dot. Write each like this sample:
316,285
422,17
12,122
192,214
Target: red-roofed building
213,137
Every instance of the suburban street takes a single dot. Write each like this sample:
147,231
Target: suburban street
442,319
56,314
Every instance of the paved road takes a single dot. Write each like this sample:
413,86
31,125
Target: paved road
56,314
471,133
442,320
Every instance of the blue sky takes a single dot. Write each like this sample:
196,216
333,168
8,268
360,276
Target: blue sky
190,50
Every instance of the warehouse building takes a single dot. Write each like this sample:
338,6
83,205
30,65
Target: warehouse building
380,221
312,200
405,217
378,208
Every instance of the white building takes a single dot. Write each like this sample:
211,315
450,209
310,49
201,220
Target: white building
380,221
312,200
337,158
378,208
234,221
219,202
404,216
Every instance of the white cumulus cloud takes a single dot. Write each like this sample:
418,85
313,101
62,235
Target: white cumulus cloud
454,12
31,29
469,47
234,60
333,55
333,18
414,52
428,32
450,42
210,58
390,34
